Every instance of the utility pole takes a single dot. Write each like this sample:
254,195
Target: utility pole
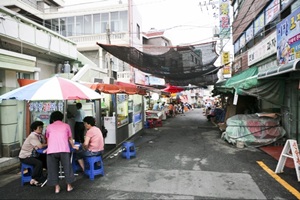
108,54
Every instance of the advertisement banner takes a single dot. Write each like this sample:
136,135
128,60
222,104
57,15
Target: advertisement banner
272,10
249,33
225,57
288,38
259,23
262,50
224,19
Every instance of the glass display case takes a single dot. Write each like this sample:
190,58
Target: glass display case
137,113
122,110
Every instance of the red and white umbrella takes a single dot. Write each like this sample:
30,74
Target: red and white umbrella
55,88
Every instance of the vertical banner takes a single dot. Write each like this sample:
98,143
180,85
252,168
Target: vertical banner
225,57
224,19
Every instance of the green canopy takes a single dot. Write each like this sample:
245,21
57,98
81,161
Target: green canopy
246,83
245,80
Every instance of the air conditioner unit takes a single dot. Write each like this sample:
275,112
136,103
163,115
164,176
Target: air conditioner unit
108,80
98,80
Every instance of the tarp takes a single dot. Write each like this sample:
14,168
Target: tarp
253,130
180,65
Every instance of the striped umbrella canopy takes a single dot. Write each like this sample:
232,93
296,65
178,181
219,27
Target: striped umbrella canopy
54,88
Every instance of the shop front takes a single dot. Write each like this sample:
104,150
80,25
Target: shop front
123,111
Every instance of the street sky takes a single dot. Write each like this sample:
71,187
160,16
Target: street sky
184,21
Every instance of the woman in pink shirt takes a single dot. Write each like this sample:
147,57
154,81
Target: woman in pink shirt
93,143
59,138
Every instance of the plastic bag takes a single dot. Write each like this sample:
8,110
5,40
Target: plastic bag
34,153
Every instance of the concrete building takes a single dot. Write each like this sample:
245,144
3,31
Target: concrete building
47,37
260,76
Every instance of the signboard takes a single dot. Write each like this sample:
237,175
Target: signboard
262,50
225,57
242,40
249,33
259,23
288,38
237,46
272,11
290,150
285,3
224,19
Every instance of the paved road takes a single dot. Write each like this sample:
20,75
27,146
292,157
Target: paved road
184,159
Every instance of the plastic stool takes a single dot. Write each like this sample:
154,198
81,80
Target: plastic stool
75,165
128,150
146,124
92,167
25,178
151,123
157,123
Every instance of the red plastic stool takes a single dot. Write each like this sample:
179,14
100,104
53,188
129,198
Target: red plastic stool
157,123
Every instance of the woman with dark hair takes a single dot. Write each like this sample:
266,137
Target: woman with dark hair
34,140
93,143
59,137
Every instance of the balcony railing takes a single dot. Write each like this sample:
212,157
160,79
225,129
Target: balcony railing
100,37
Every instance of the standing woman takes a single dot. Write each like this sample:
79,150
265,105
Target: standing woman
34,140
79,127
59,137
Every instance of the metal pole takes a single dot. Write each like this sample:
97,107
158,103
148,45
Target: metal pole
108,55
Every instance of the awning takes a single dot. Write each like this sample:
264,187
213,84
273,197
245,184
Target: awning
246,83
274,71
131,88
244,80
119,87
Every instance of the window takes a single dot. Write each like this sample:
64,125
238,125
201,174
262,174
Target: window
104,22
70,26
123,21
54,25
138,31
114,22
21,75
63,26
47,24
96,22
87,24
79,25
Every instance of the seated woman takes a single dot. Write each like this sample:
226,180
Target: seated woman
211,113
93,143
34,140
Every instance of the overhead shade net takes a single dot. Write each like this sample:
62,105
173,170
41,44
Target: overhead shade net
180,65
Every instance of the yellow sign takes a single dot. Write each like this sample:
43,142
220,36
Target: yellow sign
225,57
226,69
